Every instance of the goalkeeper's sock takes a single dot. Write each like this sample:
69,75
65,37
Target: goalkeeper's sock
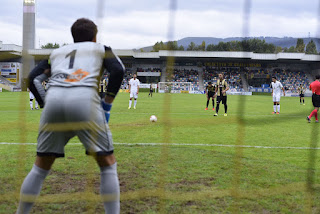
31,104
207,103
110,189
135,103
130,103
31,188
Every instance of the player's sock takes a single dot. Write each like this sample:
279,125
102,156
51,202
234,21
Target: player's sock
109,189
278,106
225,108
31,104
207,103
135,103
217,108
312,113
212,103
274,108
31,188
316,115
130,103
303,101
300,100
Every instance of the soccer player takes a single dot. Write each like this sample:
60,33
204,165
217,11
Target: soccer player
276,94
134,84
301,90
73,98
315,88
210,92
151,90
31,98
221,92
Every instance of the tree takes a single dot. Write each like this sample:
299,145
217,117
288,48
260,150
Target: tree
191,46
278,49
181,48
311,48
172,45
50,46
292,49
202,47
210,47
300,46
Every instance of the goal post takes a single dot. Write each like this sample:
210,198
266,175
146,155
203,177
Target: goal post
174,87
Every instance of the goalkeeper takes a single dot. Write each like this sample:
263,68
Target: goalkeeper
73,98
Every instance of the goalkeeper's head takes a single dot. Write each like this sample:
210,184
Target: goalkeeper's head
84,30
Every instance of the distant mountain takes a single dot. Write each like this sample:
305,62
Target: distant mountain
282,42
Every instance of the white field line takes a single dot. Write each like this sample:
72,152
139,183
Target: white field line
185,144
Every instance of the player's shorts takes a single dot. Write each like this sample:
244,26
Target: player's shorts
31,96
210,94
134,95
301,95
316,100
276,97
70,112
222,98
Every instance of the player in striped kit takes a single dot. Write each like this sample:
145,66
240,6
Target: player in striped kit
72,97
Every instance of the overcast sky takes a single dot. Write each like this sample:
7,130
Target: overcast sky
130,24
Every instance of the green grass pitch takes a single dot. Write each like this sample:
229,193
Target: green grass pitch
197,178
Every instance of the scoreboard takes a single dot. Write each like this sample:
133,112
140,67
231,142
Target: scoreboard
10,71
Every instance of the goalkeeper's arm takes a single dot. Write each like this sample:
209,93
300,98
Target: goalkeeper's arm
116,69
40,69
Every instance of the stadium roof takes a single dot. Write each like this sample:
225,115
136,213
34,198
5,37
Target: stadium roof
14,51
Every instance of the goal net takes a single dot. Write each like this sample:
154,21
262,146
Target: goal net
174,87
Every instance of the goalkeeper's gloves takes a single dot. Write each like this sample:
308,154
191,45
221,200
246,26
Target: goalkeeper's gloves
106,108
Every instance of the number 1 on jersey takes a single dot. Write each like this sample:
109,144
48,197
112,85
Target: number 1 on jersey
72,57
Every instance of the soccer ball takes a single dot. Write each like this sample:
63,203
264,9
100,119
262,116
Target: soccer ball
153,118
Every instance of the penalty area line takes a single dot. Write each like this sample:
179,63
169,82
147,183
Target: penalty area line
187,144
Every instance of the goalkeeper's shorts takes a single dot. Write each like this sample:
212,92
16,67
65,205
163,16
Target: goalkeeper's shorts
70,112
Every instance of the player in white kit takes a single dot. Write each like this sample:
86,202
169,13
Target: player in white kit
72,98
276,94
134,85
31,98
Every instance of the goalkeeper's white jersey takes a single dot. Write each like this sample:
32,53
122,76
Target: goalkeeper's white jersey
77,64
134,83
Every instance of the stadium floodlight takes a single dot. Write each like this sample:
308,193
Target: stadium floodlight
29,1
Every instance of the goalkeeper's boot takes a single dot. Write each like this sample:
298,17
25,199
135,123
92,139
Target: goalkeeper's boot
216,114
206,109
309,120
